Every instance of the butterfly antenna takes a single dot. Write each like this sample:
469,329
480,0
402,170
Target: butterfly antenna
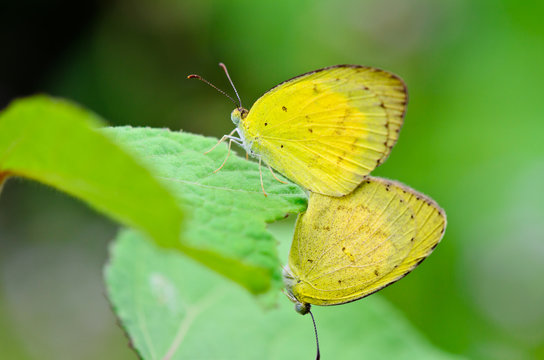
193,76
228,77
318,356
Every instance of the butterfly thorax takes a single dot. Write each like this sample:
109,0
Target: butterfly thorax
238,116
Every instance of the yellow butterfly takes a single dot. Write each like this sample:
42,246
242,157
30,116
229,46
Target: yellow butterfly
350,247
326,130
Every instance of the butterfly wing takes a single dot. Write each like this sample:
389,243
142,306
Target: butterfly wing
347,248
328,129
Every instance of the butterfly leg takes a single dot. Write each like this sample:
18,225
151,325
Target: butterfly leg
229,136
226,158
274,175
261,175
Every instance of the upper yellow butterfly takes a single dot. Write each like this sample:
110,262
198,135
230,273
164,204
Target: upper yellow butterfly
325,130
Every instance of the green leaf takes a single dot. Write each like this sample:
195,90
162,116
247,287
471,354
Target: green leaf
140,177
228,212
56,142
173,308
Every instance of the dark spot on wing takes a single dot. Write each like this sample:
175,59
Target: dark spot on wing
265,124
361,207
376,273
281,146
284,108
343,248
412,239
327,228
339,281
310,130
310,261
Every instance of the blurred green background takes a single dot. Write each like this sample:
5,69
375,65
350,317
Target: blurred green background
473,139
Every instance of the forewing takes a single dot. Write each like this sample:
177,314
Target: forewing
328,129
344,247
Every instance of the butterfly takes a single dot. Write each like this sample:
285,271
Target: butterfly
325,130
347,248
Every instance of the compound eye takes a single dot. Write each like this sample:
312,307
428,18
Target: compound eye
235,116
243,113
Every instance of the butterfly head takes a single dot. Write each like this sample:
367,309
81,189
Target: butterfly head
238,115
302,308
289,281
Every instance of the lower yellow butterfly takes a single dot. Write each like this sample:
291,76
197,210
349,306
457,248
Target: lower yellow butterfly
326,130
347,248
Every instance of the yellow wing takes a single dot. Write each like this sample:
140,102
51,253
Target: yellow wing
328,129
347,248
